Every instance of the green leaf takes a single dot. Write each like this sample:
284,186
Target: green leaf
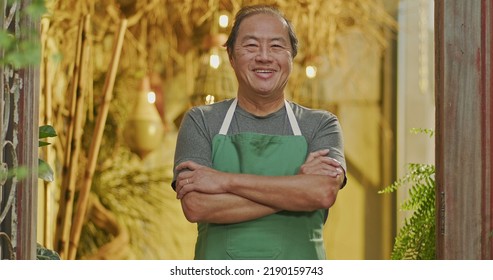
43,253
416,238
46,131
43,143
45,172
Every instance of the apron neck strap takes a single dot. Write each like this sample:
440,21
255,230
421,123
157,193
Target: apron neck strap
231,111
292,119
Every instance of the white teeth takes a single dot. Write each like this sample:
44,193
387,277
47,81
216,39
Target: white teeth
263,71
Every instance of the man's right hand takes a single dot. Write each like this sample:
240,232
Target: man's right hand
318,163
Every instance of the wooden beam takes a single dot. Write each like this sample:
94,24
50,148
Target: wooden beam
27,152
463,128
487,127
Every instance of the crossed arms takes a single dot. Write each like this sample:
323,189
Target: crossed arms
212,196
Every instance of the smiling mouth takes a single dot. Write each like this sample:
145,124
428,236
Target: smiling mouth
263,71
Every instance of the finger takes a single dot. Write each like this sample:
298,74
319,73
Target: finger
183,174
323,152
187,165
335,160
185,188
335,173
182,177
321,168
184,165
179,186
334,167
310,157
331,161
316,154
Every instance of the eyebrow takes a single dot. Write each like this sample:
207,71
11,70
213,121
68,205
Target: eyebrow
248,37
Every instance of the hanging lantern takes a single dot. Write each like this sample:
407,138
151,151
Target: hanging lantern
144,128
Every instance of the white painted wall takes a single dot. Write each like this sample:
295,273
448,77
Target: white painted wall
415,80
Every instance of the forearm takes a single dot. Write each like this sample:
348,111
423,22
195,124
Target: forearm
315,187
222,208
293,193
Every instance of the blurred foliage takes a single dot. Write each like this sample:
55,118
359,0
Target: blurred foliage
139,197
427,131
45,172
43,253
22,49
416,239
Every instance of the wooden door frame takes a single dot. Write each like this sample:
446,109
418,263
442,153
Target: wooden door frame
463,58
20,87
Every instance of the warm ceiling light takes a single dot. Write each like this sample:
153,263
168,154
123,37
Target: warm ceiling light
223,21
151,97
311,71
214,61
209,99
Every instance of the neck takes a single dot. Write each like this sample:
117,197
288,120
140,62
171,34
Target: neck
261,107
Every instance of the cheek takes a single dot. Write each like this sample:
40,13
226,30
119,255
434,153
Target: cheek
237,60
288,64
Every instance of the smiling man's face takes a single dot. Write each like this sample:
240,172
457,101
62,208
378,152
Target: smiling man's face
262,55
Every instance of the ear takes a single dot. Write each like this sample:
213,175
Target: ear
230,57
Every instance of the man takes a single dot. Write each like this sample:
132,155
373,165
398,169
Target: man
254,172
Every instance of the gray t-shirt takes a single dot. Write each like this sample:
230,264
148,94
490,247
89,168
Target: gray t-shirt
200,124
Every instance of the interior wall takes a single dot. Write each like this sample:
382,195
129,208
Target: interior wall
359,225
415,99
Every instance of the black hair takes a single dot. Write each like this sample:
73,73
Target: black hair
247,11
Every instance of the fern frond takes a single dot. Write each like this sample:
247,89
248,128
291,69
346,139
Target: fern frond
416,238
429,132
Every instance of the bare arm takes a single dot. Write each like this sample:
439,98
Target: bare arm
315,187
222,208
292,193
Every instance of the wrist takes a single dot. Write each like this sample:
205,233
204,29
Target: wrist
229,182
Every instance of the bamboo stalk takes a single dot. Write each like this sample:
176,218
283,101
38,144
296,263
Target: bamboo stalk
96,142
66,193
77,129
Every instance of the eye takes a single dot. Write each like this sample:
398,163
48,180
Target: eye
251,47
277,47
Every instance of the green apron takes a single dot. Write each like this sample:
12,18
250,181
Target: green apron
283,235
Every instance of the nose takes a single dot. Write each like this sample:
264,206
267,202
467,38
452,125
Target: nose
263,54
